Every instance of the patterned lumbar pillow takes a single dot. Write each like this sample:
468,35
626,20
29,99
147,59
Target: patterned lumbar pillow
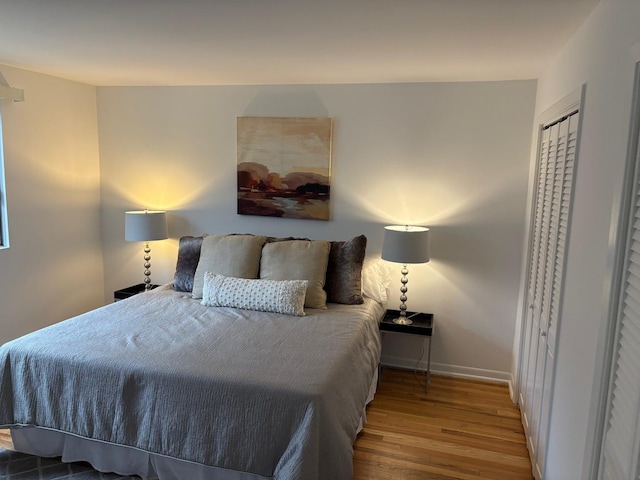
275,296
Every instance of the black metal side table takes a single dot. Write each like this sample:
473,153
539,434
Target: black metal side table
422,325
130,291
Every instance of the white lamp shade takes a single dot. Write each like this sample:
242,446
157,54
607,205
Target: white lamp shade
145,226
405,244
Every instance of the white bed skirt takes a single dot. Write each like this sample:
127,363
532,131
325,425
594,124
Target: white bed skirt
107,457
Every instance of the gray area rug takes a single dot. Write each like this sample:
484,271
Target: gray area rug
20,466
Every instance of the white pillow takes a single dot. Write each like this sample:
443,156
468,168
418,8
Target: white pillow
376,279
275,296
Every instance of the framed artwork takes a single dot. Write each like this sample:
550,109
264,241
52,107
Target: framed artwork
284,167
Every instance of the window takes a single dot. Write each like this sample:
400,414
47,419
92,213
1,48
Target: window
4,232
7,93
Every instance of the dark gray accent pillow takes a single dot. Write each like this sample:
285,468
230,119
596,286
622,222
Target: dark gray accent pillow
188,257
344,271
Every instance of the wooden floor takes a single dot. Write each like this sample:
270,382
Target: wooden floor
5,439
461,429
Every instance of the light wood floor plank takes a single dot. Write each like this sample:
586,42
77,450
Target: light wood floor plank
5,440
462,429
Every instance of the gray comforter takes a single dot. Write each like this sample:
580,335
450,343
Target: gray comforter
255,392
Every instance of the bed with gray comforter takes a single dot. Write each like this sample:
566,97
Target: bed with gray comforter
269,395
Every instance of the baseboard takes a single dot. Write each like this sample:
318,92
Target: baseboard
451,370
512,391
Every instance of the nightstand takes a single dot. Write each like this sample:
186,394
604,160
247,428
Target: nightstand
422,325
129,292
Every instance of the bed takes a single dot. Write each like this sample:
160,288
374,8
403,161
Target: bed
165,385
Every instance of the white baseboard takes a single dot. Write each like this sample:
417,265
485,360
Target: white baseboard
512,390
451,370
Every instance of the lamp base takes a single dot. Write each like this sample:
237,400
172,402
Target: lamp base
402,321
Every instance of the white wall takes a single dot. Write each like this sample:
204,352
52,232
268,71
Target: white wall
453,157
601,54
53,268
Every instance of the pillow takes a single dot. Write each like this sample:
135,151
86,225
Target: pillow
298,260
188,257
275,296
285,239
344,271
376,279
229,255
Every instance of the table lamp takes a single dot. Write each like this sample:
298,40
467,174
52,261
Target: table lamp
146,226
405,244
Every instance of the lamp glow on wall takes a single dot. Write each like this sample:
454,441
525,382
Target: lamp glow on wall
405,244
146,226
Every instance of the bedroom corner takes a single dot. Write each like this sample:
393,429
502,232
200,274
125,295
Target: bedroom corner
53,267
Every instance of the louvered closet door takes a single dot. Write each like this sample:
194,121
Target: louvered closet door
540,237
621,449
552,205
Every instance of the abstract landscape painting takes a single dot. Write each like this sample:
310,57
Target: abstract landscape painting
284,167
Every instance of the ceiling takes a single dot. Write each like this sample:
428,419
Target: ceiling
240,42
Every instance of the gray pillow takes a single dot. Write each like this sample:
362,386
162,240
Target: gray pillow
229,255
298,260
344,271
188,257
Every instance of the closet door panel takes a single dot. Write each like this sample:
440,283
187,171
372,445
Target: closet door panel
549,232
523,400
536,274
621,442
545,414
536,402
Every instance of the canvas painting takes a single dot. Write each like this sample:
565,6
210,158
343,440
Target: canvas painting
284,167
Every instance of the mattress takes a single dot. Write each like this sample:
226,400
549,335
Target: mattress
258,394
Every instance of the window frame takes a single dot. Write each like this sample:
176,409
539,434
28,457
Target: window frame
4,220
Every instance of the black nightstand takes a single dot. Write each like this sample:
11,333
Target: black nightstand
130,292
422,325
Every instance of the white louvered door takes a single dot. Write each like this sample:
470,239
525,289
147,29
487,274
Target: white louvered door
549,233
620,457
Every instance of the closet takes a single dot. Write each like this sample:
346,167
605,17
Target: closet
548,239
620,445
